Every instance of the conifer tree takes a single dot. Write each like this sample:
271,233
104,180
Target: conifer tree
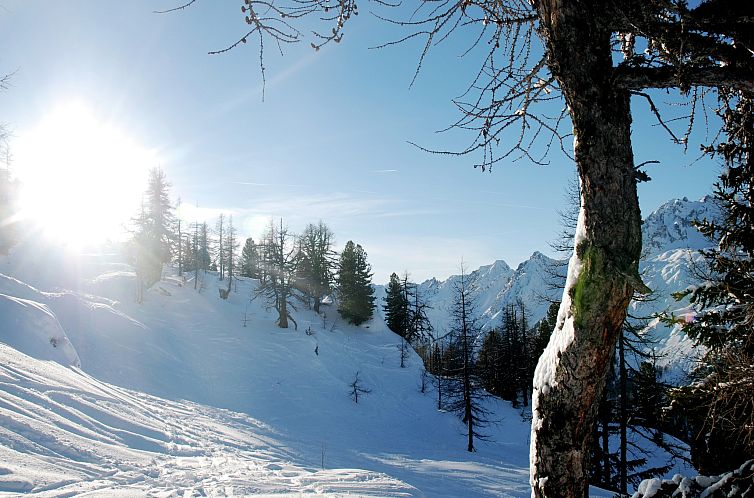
720,404
203,253
219,229
466,392
318,261
277,272
231,246
355,291
249,263
153,233
396,306
179,237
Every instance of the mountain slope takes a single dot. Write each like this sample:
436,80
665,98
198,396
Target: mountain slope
65,433
183,344
671,246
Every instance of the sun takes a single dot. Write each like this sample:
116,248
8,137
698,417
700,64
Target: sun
81,177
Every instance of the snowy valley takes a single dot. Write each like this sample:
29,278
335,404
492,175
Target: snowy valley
187,394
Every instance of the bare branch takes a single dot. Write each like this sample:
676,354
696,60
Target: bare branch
637,78
174,9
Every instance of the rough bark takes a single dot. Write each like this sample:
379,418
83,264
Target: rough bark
623,479
603,271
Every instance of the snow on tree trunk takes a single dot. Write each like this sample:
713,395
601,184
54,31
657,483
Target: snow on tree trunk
603,271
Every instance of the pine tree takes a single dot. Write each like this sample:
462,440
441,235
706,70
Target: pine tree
490,363
249,263
203,253
720,404
153,234
355,291
396,307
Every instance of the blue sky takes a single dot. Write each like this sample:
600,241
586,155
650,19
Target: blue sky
330,140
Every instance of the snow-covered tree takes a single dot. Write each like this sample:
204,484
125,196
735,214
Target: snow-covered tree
720,404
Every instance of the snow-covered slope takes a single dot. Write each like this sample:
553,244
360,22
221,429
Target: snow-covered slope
209,406
290,413
64,433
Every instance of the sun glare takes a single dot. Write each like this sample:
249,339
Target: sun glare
82,178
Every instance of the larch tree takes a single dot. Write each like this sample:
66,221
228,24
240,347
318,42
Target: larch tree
318,262
231,247
465,391
593,56
203,248
279,258
219,227
179,237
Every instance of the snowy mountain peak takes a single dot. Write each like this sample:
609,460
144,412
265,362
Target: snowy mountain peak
670,226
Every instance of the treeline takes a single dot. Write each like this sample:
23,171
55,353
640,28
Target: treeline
291,269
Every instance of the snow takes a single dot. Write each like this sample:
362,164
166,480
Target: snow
649,488
31,326
177,397
560,340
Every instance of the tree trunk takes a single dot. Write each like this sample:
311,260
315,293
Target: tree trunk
605,421
623,484
603,271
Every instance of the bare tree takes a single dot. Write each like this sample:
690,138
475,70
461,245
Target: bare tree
317,262
593,56
231,246
278,266
357,388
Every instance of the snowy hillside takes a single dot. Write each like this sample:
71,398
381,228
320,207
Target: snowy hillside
67,431
208,406
64,433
